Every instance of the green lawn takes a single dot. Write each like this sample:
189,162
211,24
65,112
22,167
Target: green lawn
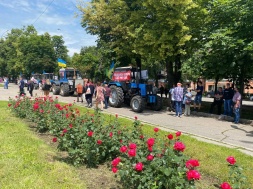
27,161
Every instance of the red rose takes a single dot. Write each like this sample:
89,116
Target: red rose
139,166
90,133
135,117
111,134
170,136
179,146
150,157
178,133
132,152
123,149
156,129
54,139
150,148
120,140
132,146
116,115
141,137
99,142
35,106
193,174
231,160
70,104
225,185
9,105
150,141
65,130
115,162
41,111
192,163
70,125
114,169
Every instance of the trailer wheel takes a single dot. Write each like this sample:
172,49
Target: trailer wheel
64,90
158,105
137,104
56,89
117,96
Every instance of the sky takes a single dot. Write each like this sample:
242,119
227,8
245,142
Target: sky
57,17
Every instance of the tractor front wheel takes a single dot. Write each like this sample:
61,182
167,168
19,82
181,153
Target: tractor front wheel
117,96
137,104
56,89
64,90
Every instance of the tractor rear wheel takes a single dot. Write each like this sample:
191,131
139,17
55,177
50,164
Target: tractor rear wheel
117,96
56,89
137,104
158,105
64,90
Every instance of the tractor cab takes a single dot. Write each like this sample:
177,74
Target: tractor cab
129,85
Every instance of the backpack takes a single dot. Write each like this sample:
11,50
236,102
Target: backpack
79,89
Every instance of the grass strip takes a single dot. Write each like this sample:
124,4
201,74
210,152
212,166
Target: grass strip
27,162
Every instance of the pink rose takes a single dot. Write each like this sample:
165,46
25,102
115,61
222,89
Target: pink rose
132,152
90,133
231,160
132,146
114,169
179,146
65,130
192,163
99,142
178,133
150,157
35,106
111,134
193,174
156,129
123,149
139,166
225,185
150,141
115,162
70,125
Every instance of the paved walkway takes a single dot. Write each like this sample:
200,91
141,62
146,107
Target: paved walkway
207,129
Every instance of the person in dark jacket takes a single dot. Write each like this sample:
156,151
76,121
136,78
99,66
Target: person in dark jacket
30,87
89,91
228,94
218,101
21,86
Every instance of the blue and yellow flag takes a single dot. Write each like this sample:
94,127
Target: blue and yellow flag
110,71
62,63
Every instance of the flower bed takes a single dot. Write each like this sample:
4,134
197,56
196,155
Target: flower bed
140,161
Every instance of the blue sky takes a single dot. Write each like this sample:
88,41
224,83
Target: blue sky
56,17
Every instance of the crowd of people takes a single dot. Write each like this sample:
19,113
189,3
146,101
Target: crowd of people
181,98
88,90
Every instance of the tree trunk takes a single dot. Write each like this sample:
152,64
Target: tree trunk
170,76
178,66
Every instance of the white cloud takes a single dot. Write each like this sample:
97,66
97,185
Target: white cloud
56,19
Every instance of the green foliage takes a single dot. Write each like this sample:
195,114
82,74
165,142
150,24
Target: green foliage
24,51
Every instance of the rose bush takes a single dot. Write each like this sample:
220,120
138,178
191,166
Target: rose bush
237,180
151,163
140,161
